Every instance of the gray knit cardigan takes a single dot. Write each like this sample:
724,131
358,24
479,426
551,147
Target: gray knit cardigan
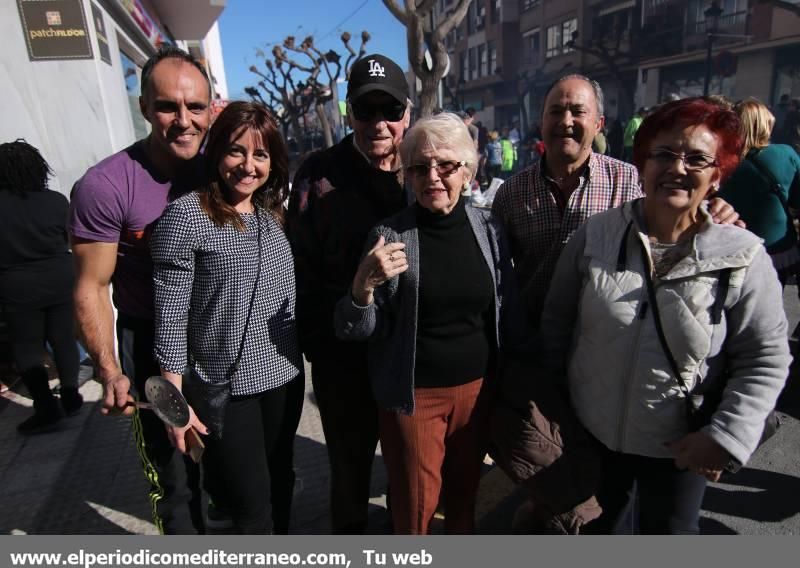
390,322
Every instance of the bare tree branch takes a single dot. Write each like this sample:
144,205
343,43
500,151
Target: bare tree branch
396,11
452,20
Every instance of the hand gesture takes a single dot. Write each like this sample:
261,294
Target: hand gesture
179,437
723,213
699,453
116,399
380,264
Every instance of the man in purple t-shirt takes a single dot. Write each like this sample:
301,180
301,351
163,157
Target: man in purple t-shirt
113,209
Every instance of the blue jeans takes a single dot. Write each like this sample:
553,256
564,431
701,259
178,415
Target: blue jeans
667,500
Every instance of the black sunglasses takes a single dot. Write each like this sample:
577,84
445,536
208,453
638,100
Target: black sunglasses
390,110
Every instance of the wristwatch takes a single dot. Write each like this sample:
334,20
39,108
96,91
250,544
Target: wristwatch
733,466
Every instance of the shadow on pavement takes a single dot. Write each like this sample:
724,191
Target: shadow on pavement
712,526
101,489
762,496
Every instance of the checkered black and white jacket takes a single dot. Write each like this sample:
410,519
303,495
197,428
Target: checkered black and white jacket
203,281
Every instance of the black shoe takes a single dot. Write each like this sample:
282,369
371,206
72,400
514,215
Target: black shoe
217,519
39,423
71,401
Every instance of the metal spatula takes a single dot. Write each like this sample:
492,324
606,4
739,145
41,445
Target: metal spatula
169,404
167,401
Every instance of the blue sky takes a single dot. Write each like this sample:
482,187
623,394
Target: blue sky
249,24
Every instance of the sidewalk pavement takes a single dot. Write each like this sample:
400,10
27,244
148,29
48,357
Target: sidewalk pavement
85,478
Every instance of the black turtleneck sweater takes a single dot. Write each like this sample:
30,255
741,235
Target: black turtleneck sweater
456,302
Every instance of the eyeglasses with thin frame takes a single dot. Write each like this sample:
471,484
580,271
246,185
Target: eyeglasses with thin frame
444,169
392,111
691,162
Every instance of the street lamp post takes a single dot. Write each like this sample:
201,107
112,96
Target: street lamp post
712,14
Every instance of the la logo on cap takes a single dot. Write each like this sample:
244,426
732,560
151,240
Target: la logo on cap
375,69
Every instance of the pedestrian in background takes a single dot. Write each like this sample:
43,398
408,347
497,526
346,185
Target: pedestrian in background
508,154
36,281
494,156
766,187
615,138
630,133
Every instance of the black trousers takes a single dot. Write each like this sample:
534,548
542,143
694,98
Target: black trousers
281,460
667,500
175,494
238,465
350,423
28,330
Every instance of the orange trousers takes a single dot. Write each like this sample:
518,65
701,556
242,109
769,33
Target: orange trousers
439,449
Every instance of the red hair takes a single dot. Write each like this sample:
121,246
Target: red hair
696,111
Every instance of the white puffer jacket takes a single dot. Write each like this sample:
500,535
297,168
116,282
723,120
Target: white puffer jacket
597,329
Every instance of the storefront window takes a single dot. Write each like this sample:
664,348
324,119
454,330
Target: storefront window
787,74
132,74
687,81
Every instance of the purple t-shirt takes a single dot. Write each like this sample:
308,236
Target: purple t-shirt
118,201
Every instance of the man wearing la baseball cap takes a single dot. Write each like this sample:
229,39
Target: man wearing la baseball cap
338,195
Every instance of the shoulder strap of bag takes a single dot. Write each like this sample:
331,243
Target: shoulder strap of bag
235,366
774,185
716,313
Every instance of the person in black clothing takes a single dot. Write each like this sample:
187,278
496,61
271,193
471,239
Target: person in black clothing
615,139
338,195
36,280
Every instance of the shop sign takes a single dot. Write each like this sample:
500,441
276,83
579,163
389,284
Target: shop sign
217,106
102,35
55,29
144,22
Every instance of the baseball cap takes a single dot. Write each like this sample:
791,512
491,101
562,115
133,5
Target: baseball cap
377,73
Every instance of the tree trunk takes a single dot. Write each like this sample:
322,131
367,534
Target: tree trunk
525,126
427,98
324,124
298,136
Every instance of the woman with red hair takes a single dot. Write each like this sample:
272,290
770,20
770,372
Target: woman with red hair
653,306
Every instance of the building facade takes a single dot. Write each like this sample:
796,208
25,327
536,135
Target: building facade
76,97
755,49
506,52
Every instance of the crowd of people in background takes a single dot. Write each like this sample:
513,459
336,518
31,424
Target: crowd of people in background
408,302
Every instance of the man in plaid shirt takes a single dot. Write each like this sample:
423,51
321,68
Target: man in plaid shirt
542,206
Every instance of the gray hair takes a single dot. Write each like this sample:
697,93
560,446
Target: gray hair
444,130
596,88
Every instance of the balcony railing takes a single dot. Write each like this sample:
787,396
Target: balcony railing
735,23
663,36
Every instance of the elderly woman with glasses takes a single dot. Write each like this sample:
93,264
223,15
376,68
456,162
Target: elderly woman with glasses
432,295
653,305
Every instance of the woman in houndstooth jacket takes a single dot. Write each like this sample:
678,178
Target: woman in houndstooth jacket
225,309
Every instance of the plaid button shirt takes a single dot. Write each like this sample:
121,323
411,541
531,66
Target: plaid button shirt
538,228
